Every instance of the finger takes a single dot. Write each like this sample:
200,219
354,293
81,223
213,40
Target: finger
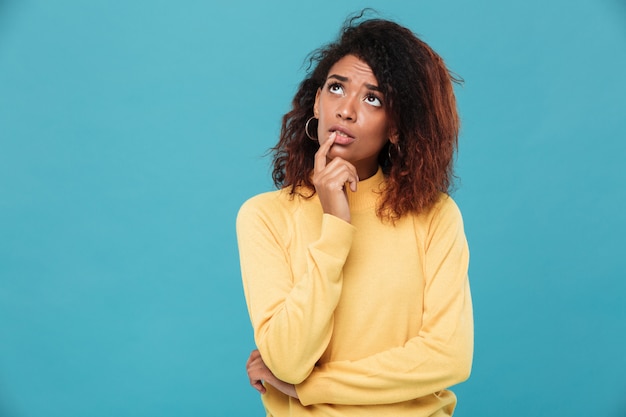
322,152
343,172
254,365
253,355
353,179
353,184
258,385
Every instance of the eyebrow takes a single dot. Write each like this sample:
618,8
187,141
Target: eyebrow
346,79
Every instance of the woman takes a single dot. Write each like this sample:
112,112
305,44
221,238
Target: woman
355,270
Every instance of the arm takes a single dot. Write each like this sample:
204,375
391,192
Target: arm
438,357
258,373
291,316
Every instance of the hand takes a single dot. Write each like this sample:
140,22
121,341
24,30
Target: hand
259,372
330,180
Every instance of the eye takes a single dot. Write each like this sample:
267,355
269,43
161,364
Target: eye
373,100
335,88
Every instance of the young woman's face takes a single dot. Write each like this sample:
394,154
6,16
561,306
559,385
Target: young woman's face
351,104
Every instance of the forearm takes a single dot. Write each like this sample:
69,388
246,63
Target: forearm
291,311
259,374
424,365
293,337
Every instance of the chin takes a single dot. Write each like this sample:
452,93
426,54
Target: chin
339,152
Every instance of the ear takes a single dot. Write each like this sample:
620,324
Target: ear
394,136
316,105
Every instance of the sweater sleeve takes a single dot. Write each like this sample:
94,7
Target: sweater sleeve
292,316
438,357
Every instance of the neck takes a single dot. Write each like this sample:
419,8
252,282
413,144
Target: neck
368,170
368,192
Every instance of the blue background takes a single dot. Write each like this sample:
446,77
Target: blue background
131,132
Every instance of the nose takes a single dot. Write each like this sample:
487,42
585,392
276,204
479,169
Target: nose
346,108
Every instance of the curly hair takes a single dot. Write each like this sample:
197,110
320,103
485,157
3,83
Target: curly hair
420,101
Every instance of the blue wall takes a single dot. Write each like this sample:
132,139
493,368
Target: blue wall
130,133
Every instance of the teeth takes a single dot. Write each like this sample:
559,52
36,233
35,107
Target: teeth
339,133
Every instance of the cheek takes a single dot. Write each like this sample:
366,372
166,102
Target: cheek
325,107
380,126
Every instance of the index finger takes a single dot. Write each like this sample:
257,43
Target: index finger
322,152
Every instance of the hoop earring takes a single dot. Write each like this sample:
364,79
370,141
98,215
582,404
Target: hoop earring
306,128
398,151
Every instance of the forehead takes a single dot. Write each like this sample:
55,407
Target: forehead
353,68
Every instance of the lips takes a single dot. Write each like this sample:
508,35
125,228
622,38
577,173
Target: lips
343,135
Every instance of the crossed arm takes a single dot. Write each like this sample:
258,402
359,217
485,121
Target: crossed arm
293,324
438,357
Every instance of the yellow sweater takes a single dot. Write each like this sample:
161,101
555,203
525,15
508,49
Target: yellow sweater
365,318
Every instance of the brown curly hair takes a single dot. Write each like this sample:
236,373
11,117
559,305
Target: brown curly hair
420,101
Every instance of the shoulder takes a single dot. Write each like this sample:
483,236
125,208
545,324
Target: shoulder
261,200
260,215
261,204
443,217
272,208
446,207
270,201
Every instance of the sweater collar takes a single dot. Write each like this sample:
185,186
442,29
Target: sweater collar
368,192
